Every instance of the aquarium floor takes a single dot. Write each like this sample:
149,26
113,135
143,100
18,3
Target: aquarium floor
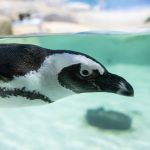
62,125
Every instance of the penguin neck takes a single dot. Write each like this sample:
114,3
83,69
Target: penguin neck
48,76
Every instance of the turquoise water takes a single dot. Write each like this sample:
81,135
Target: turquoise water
108,48
62,125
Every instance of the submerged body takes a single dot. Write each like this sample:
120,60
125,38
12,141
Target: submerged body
32,74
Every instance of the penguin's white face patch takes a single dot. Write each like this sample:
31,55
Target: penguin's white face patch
59,61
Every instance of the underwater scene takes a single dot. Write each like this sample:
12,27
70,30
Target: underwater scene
85,121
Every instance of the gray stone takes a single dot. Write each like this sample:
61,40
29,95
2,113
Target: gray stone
108,119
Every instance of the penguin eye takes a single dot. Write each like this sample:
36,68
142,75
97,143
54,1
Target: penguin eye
85,73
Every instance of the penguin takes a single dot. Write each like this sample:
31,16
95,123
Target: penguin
33,74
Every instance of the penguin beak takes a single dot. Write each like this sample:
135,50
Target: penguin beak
115,84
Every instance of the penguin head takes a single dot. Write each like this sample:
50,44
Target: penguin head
81,73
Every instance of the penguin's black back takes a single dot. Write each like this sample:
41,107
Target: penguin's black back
18,59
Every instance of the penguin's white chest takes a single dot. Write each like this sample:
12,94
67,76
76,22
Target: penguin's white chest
42,82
